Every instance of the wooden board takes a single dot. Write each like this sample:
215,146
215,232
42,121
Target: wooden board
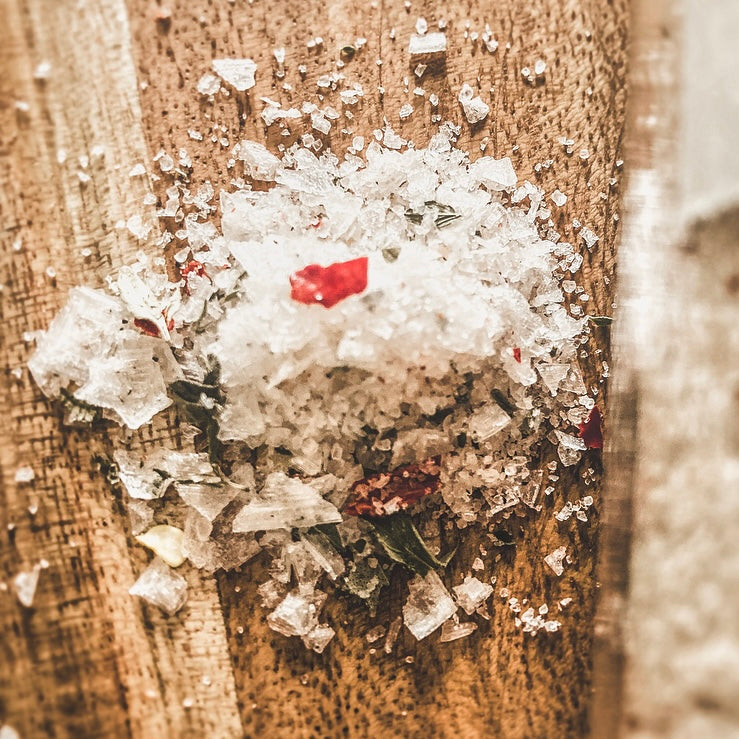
88,660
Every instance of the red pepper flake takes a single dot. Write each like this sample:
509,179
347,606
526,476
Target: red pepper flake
147,327
591,431
167,320
517,354
329,285
389,492
193,267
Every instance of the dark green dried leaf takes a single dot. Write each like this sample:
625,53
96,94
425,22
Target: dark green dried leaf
401,541
501,399
601,320
444,219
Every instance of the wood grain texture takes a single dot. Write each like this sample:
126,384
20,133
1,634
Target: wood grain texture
86,661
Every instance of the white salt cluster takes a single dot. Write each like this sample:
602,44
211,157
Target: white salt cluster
460,347
93,348
531,621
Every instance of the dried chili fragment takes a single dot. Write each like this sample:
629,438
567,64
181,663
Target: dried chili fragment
147,327
193,267
389,492
591,431
329,285
517,354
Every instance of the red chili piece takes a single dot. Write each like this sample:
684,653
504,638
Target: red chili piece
147,327
591,431
517,355
329,285
194,266
390,492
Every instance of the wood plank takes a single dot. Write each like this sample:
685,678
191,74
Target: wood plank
87,660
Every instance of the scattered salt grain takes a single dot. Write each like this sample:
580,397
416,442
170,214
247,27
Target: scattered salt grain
559,198
24,584
24,475
161,587
588,237
42,71
392,634
555,560
209,84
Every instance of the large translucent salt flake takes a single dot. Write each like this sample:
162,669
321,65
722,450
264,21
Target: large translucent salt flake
128,380
148,477
259,163
84,329
285,503
569,448
296,614
208,500
489,420
427,44
239,73
471,594
451,630
428,606
162,587
25,583
495,174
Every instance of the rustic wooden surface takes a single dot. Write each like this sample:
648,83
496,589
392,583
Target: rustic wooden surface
87,660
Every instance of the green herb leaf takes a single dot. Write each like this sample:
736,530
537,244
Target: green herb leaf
401,541
601,320
444,219
331,532
501,399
